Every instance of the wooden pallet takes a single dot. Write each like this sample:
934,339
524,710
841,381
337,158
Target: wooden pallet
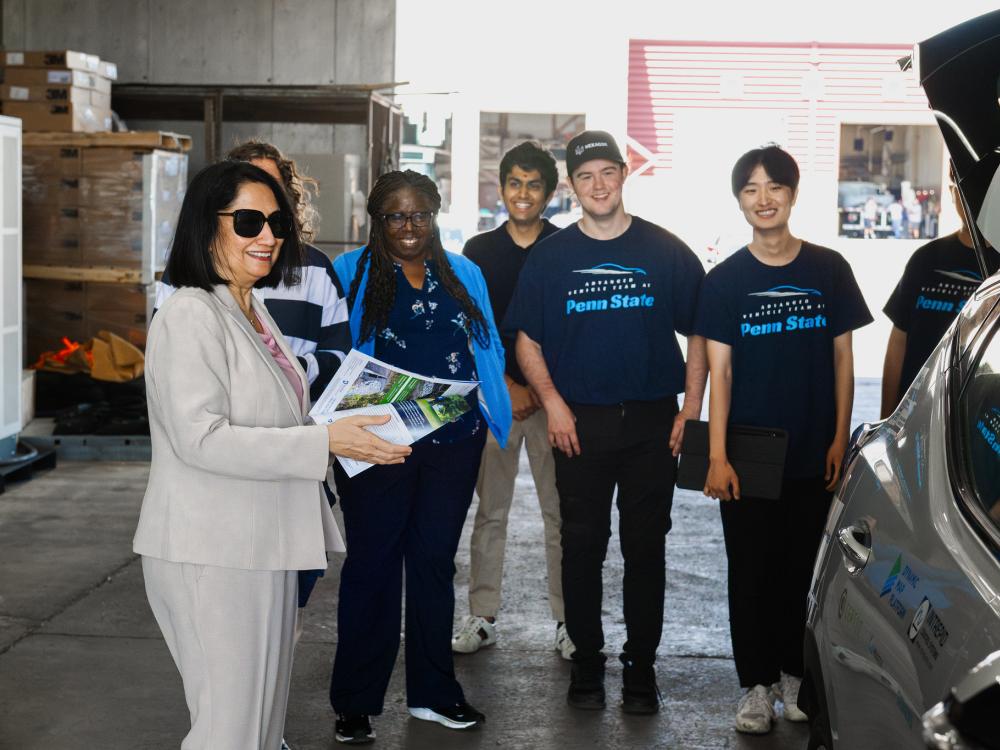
131,139
45,459
107,274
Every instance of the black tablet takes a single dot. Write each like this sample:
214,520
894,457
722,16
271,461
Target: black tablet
756,453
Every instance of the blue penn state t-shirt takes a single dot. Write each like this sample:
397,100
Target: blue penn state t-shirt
605,312
938,281
781,322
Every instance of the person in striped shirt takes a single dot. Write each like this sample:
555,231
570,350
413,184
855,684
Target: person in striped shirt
312,315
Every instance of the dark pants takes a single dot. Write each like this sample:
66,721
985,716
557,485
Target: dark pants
771,546
308,578
624,446
408,515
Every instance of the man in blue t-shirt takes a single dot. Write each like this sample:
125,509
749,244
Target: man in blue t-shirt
938,280
596,310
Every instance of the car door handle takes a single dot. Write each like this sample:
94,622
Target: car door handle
855,543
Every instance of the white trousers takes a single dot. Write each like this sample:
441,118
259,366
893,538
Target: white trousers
497,475
230,633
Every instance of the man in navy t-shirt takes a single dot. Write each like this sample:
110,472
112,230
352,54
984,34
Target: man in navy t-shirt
596,310
528,178
778,316
938,280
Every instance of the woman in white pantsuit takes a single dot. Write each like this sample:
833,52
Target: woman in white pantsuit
234,505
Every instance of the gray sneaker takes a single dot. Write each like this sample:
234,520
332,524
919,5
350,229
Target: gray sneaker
787,691
755,711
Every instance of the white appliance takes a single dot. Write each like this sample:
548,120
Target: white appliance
11,324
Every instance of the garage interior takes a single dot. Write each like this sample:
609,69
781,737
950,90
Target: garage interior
106,111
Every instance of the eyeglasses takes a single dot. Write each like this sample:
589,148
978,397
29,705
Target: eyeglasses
248,222
417,219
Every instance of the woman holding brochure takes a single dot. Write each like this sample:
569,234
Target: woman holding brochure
234,507
418,308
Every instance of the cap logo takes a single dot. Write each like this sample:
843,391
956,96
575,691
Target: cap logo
578,150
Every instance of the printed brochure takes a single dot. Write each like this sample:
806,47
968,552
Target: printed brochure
417,405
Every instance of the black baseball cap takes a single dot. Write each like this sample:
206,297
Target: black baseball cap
588,145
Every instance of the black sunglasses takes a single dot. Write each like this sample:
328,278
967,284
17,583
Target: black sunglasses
417,219
247,222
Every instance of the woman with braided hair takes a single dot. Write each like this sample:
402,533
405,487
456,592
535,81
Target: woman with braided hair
421,309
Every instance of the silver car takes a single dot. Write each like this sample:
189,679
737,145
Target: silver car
903,634
905,599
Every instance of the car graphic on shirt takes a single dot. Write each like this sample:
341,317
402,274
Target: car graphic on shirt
610,269
962,274
786,291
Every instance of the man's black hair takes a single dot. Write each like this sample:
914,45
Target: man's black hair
212,190
778,163
528,156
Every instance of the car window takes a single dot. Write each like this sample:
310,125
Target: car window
972,321
980,410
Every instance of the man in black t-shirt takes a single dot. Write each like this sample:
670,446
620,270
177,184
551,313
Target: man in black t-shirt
938,280
596,310
528,178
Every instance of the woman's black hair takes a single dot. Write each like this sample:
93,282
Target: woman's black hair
528,156
213,189
778,163
380,292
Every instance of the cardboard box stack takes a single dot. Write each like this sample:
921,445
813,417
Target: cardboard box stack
93,212
58,90
101,205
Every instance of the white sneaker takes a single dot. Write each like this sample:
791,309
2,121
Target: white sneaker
755,712
787,691
474,633
564,645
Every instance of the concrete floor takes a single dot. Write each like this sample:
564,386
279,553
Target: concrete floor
82,664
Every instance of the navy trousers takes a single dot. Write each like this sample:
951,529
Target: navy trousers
771,546
407,516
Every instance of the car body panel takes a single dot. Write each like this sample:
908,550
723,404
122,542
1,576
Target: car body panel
925,607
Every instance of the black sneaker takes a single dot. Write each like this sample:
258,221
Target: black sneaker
459,716
586,684
354,730
640,695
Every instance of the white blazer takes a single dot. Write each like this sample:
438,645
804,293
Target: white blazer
235,474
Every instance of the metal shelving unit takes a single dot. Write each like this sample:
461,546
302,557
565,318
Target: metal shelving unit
215,104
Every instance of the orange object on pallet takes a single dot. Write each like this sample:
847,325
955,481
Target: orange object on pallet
71,358
105,357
